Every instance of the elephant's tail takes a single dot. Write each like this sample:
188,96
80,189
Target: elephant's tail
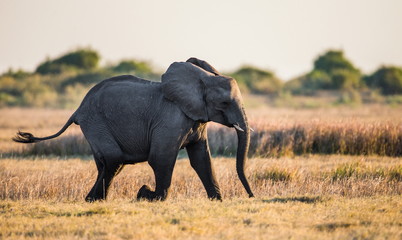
25,137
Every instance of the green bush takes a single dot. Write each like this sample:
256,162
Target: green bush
19,74
394,99
332,71
50,67
133,66
317,79
80,59
333,60
351,97
387,79
345,79
72,96
257,80
87,78
38,94
309,83
8,100
11,91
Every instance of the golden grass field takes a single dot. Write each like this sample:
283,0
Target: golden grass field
304,196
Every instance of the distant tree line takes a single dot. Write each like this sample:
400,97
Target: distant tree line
63,81
332,71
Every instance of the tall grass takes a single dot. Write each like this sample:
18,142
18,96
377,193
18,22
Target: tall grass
383,139
285,132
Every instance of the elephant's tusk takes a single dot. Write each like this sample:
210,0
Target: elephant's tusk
237,127
251,129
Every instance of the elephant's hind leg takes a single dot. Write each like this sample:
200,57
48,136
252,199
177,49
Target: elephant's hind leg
91,195
108,158
105,176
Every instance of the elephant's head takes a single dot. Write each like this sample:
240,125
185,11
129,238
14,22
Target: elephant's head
203,94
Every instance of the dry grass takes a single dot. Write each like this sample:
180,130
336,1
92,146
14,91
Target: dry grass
43,199
70,180
261,218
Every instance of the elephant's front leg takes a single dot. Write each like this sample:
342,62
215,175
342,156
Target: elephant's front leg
162,163
163,179
200,160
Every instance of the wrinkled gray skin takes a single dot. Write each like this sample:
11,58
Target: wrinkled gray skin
127,120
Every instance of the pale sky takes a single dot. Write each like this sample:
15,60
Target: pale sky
284,36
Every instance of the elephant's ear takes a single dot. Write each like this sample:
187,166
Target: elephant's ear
182,84
204,65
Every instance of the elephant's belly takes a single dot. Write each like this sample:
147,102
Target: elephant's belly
134,151
134,158
133,143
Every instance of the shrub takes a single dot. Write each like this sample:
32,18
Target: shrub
394,99
50,67
351,96
257,80
133,66
7,99
38,94
345,79
19,74
10,86
81,58
332,71
317,79
87,78
73,96
333,60
86,59
387,79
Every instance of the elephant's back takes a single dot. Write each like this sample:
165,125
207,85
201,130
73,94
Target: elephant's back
120,82
119,95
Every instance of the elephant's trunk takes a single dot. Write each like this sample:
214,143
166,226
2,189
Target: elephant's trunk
243,136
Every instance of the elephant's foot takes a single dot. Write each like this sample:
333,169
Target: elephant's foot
92,199
145,193
216,197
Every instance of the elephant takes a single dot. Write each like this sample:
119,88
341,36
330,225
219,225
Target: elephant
128,120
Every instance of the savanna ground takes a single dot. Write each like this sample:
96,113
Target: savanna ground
353,191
